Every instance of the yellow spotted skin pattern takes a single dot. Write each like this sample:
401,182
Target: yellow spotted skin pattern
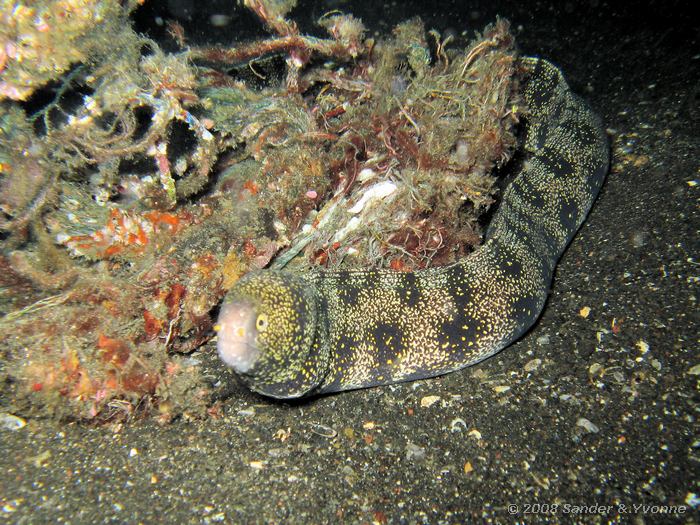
344,330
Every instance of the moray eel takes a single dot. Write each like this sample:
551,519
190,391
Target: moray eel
289,335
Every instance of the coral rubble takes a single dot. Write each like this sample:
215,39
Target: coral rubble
136,186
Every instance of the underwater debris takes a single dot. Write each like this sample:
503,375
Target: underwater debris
437,131
149,183
123,233
27,177
346,43
40,40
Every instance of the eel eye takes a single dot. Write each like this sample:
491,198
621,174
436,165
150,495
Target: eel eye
261,323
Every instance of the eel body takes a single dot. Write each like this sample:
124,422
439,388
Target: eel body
289,335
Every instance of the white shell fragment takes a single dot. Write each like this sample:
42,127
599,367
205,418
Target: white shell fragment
378,191
11,422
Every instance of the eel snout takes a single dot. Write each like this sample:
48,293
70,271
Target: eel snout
237,336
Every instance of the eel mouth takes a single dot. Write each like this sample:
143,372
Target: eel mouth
236,341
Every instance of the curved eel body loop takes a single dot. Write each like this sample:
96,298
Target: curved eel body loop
290,335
